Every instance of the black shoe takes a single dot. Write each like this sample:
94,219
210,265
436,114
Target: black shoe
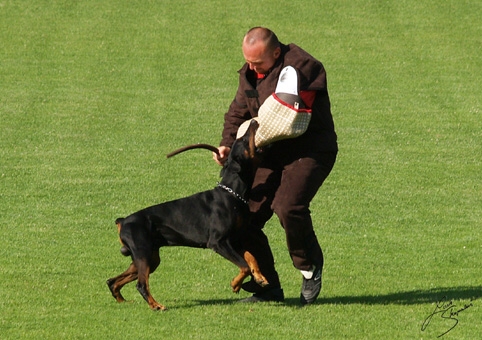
273,294
311,288
252,287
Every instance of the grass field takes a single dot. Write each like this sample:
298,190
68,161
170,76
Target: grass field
93,94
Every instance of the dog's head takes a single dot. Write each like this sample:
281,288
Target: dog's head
247,141
244,155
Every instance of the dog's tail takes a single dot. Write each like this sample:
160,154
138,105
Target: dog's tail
124,250
118,222
194,146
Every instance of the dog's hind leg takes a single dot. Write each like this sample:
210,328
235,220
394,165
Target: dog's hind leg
144,269
116,283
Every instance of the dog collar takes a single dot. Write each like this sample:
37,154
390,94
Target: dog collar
232,192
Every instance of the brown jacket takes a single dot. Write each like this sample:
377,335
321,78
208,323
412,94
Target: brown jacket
320,136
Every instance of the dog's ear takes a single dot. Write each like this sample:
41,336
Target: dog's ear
253,127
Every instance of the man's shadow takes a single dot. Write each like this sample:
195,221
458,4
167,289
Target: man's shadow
413,297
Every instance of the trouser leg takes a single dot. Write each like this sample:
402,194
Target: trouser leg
299,183
288,192
256,240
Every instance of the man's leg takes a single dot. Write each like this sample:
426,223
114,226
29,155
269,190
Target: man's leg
255,240
299,183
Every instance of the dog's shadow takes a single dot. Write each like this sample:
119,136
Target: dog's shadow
413,297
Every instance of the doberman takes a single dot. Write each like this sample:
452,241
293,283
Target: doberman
212,219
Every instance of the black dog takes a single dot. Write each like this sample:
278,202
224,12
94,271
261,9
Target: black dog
211,219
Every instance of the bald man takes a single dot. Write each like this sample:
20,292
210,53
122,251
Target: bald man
292,170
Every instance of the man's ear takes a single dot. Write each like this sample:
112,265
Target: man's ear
277,52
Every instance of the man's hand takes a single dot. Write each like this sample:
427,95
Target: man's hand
223,155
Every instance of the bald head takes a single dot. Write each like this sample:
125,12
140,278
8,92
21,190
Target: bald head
261,49
261,35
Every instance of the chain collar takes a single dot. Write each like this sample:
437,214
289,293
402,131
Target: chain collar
231,191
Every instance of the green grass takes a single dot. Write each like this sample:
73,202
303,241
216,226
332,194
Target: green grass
94,94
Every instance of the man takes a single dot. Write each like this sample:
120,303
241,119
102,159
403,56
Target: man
292,170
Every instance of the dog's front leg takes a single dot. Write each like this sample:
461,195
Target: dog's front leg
254,267
244,272
237,282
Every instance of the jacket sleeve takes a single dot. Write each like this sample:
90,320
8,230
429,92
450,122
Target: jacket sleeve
310,70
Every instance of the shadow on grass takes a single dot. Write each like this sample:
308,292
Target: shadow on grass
409,297
401,298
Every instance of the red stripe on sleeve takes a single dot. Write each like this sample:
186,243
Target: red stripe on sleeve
308,97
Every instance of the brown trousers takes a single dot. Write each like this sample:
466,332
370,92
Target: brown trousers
286,185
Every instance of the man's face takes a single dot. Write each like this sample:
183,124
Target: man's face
259,58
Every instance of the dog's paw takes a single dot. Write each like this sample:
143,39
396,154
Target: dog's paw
262,282
158,307
236,285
